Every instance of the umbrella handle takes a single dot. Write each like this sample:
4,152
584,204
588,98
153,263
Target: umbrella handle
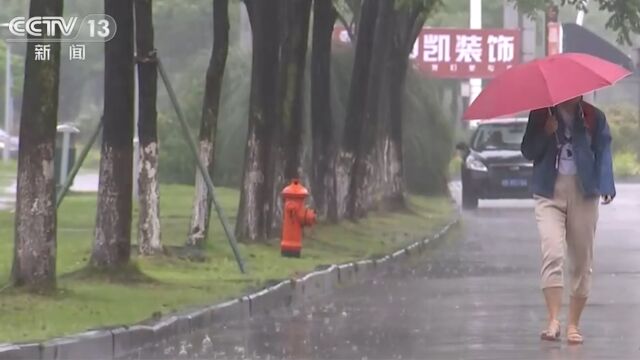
551,113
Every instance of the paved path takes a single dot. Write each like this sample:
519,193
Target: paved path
85,181
475,297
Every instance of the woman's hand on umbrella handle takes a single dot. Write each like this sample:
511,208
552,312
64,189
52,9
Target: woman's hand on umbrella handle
607,199
551,125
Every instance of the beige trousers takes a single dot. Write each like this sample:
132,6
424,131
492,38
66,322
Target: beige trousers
567,224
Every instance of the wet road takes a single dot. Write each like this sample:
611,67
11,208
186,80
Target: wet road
474,296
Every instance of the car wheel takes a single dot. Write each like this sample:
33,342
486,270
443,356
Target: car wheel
469,198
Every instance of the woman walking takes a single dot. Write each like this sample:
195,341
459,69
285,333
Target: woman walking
570,145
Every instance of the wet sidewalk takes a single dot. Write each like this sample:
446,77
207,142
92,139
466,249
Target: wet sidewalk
85,181
475,296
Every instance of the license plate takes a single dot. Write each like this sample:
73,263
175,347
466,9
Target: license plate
514,182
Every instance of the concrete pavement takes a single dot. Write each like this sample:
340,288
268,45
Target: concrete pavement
85,181
475,296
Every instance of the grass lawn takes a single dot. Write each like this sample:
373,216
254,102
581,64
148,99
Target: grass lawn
83,303
8,173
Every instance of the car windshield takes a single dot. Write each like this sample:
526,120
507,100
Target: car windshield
505,136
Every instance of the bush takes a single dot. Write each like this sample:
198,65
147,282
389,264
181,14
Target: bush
625,128
626,165
454,167
177,165
428,137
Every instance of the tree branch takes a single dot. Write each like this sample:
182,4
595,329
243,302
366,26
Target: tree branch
624,19
414,27
346,25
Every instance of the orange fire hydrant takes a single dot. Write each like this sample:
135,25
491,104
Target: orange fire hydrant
295,216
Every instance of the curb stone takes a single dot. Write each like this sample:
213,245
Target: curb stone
20,351
346,274
365,268
270,299
162,337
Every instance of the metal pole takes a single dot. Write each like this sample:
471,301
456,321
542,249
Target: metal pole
475,22
638,78
8,108
580,17
76,167
203,169
64,163
136,140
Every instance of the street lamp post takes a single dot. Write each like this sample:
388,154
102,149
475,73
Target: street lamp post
580,17
638,79
475,22
8,103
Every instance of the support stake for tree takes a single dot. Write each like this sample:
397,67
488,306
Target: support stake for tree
76,167
203,169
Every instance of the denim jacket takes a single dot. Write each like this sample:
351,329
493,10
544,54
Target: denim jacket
592,152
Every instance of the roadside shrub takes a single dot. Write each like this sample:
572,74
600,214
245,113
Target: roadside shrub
454,167
428,137
177,165
625,165
625,128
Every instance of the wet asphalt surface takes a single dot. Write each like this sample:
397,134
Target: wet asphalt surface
473,296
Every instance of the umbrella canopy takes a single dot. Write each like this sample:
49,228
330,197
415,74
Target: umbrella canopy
578,39
543,83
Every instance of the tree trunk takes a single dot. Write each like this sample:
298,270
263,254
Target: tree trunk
286,163
408,24
367,169
294,42
199,227
112,244
394,165
358,90
252,220
34,260
148,190
323,145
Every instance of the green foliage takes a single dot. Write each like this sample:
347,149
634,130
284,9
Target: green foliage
624,14
454,167
177,165
341,67
425,6
428,136
455,13
625,128
626,164
12,8
17,70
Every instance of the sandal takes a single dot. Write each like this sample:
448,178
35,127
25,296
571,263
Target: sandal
574,337
552,333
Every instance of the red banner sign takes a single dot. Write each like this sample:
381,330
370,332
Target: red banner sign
461,53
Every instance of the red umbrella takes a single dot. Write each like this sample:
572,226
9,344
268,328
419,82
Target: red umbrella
543,83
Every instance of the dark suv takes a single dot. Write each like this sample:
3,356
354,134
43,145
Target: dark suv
493,166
